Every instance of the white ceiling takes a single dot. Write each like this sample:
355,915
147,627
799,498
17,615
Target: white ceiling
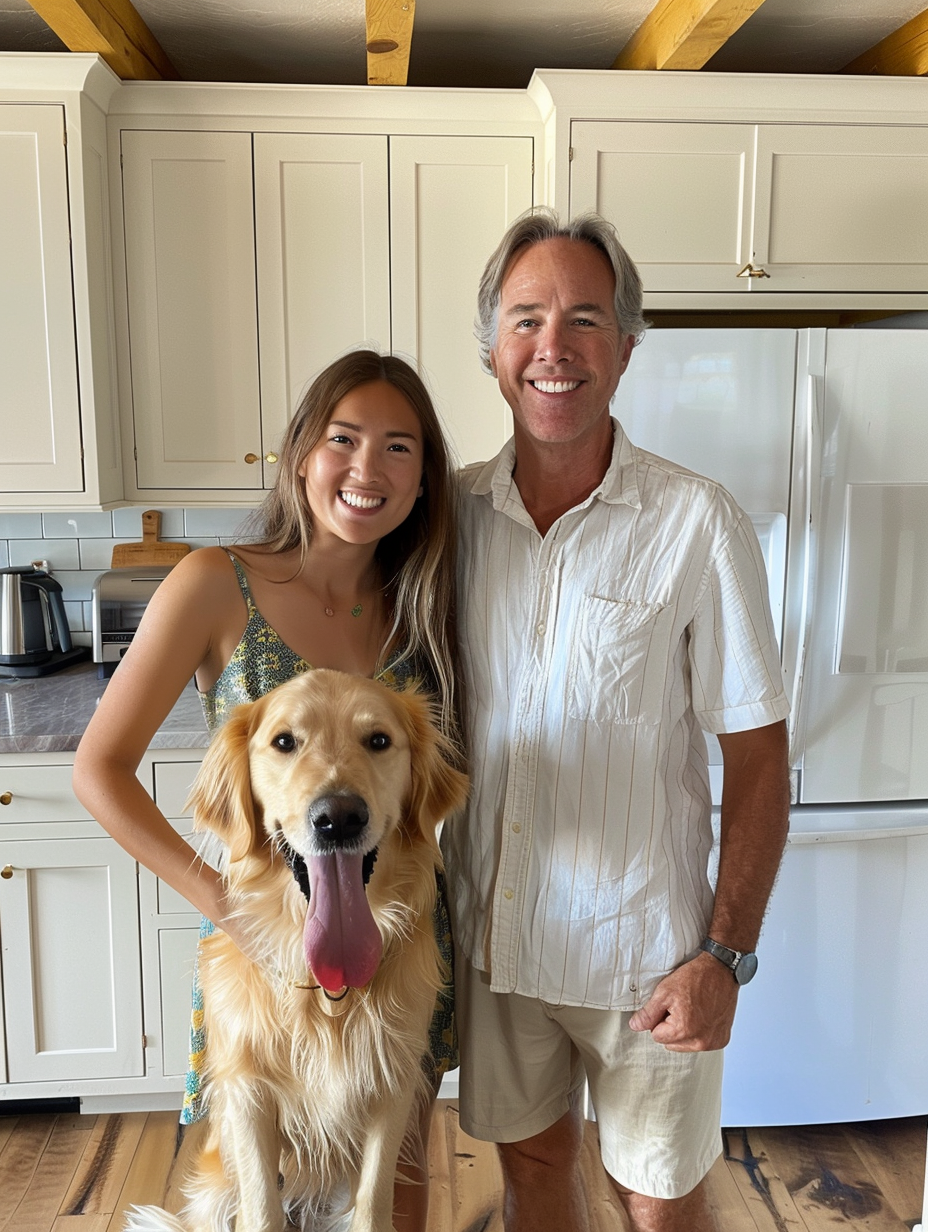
489,43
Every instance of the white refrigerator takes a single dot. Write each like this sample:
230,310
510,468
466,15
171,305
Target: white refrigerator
822,437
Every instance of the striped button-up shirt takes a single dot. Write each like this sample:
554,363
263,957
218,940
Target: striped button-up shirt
594,656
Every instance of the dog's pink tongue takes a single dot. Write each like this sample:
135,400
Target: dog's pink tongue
341,942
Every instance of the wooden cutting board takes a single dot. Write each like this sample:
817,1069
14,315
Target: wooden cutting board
151,551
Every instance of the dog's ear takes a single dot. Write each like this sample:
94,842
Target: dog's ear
221,794
438,789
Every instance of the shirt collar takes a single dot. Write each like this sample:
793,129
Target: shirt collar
619,485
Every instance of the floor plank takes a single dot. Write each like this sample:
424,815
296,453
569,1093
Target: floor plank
19,1160
477,1182
769,1206
826,1179
725,1198
887,1150
102,1170
146,1181
40,1205
81,1223
443,1130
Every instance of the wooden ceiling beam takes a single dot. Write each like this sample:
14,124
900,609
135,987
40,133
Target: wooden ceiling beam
684,34
904,53
114,30
389,40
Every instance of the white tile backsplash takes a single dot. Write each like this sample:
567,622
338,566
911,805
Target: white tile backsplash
60,553
212,523
77,525
79,546
20,525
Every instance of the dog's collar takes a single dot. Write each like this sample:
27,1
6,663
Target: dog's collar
297,866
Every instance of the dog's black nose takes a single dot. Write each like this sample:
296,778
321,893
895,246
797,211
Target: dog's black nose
339,819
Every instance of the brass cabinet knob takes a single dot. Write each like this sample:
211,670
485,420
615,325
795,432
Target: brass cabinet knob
6,872
752,271
6,798
251,458
270,457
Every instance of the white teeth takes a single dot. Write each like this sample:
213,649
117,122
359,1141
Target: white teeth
361,502
555,387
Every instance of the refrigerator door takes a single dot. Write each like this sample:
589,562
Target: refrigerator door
864,725
720,402
832,1029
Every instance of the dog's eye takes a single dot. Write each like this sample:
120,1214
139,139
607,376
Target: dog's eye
284,742
379,741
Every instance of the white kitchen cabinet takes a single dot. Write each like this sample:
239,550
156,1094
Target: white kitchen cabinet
841,207
273,253
323,260
170,929
451,200
809,207
97,953
59,447
41,445
190,272
69,914
69,935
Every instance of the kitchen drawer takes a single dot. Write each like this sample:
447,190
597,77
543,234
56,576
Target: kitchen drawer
173,780
38,793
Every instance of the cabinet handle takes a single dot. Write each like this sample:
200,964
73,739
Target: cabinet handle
6,872
6,798
251,458
270,457
751,271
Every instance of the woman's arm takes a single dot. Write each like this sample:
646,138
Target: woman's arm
195,617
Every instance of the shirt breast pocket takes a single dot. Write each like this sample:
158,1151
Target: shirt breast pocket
607,673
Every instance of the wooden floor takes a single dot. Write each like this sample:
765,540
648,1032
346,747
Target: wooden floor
72,1173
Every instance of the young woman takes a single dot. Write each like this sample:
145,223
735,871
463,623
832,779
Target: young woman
354,570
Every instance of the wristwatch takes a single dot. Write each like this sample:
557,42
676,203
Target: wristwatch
742,966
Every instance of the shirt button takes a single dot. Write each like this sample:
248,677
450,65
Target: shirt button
540,628
507,894
516,828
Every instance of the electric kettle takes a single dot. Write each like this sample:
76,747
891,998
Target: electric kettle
34,634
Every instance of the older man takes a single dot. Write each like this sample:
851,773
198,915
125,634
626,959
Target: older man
613,605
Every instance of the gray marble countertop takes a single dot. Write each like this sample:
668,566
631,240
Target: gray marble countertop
48,714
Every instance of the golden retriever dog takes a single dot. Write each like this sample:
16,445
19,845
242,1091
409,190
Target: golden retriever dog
315,1042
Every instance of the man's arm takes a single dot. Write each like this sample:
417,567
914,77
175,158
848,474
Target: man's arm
692,1009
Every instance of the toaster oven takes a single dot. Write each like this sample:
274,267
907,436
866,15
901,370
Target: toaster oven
120,597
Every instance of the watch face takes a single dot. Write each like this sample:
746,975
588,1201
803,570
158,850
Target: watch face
745,968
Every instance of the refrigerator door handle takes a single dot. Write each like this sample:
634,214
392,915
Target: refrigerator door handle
806,510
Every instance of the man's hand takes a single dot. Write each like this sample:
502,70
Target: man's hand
692,1009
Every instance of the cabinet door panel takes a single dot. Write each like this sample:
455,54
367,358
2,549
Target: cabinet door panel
177,949
323,260
678,194
71,976
193,334
842,207
40,449
451,200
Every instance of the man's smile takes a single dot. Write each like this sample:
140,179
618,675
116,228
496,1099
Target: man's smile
555,387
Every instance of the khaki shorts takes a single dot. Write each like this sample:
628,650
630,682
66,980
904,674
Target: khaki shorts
522,1060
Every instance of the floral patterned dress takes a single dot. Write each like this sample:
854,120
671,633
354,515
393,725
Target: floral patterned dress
259,663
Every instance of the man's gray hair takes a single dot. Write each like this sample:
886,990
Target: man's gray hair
534,227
